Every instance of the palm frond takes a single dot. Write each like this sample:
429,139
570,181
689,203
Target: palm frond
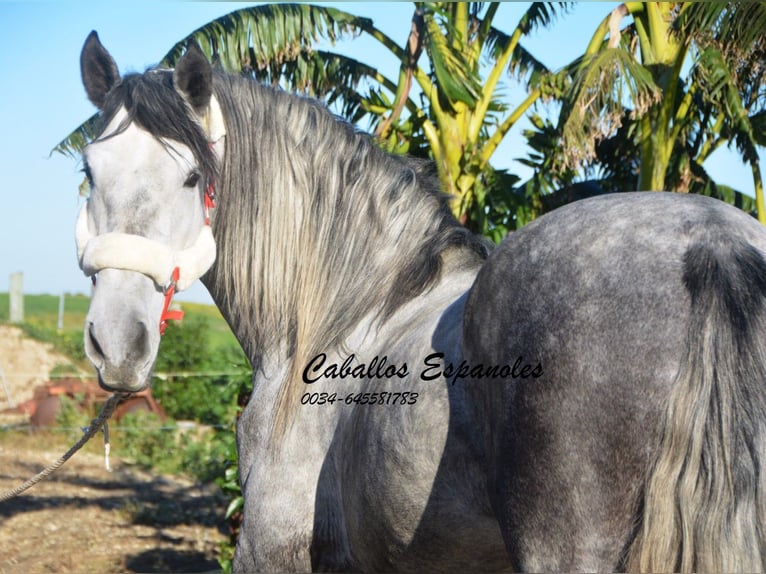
329,76
758,124
703,184
720,89
596,100
456,77
542,14
259,36
735,26
74,143
522,64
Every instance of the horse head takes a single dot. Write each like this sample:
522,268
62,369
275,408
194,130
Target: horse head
144,231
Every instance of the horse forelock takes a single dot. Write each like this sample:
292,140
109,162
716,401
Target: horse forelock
150,101
317,228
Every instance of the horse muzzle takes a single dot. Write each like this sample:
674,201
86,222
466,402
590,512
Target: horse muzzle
120,335
130,369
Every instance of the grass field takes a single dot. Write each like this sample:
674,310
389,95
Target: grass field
41,317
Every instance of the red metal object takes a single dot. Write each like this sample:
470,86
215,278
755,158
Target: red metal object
45,404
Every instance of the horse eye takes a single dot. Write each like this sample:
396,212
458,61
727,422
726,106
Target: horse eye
192,180
86,170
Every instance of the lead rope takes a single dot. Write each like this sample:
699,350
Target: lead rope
95,426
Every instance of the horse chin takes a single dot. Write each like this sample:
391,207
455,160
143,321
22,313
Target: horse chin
122,381
121,373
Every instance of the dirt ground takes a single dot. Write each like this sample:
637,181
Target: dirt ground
83,518
24,364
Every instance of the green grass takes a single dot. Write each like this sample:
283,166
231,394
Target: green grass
44,310
41,321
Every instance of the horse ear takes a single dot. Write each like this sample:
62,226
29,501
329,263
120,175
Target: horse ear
98,69
193,78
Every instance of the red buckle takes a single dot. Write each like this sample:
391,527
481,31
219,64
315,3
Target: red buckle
167,313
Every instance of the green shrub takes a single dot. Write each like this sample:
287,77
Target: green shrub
228,482
198,453
144,439
209,398
206,458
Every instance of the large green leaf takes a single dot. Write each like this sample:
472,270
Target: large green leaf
75,142
274,43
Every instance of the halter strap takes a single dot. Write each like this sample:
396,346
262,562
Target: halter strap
209,201
177,314
167,313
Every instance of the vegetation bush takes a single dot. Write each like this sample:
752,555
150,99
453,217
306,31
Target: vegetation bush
71,418
199,384
165,447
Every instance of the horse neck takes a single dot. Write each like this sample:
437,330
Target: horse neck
317,229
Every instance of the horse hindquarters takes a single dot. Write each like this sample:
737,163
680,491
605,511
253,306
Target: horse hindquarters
646,312
704,507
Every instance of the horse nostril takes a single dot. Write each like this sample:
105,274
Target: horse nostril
92,347
140,347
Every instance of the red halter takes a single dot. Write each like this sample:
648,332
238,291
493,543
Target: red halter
167,313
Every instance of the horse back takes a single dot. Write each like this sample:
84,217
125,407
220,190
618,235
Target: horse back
596,294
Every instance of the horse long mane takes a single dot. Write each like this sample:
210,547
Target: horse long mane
317,228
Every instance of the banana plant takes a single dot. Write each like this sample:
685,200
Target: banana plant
684,77
446,103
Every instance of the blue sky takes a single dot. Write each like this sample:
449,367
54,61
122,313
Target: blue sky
43,100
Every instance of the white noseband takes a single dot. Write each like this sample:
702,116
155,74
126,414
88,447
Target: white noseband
137,253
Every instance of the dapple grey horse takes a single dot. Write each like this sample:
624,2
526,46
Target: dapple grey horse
587,396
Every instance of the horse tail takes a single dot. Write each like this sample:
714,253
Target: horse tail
704,501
